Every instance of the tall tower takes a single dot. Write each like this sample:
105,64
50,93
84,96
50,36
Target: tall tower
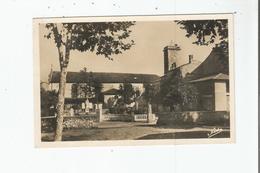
170,56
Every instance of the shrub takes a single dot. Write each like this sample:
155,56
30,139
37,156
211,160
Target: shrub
220,118
48,124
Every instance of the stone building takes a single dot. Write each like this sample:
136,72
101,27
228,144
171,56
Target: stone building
211,77
110,83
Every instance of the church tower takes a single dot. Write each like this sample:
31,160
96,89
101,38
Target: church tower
170,56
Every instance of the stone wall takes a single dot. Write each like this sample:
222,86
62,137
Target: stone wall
48,124
80,122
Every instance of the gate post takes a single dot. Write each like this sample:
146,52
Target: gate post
149,114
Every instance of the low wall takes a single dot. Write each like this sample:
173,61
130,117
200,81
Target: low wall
117,117
48,124
125,117
80,122
220,118
140,117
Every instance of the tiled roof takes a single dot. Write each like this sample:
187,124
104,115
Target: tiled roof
214,64
104,77
219,76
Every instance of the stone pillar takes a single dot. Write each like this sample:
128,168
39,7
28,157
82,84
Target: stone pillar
149,114
220,96
99,112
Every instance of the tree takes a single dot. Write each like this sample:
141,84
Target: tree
150,93
83,89
177,92
97,88
49,100
104,38
127,92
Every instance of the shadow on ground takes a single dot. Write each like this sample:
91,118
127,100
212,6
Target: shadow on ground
185,135
190,126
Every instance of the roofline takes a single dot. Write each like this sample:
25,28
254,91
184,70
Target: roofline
154,75
111,73
182,66
209,79
196,81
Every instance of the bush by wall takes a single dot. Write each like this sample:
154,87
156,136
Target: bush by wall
218,118
48,124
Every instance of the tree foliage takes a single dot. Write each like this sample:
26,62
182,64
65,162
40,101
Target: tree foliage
206,31
97,90
127,92
83,90
90,89
151,93
178,93
49,100
104,38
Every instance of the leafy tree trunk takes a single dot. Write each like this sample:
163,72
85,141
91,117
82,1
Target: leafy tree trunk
64,60
60,107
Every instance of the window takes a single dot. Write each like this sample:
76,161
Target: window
227,86
173,66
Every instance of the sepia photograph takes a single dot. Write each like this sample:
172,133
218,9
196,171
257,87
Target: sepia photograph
134,80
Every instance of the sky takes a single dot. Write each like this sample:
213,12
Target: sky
146,56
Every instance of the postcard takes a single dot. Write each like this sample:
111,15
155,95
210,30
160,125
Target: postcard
134,80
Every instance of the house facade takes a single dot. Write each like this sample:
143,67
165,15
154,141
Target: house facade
110,83
210,77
